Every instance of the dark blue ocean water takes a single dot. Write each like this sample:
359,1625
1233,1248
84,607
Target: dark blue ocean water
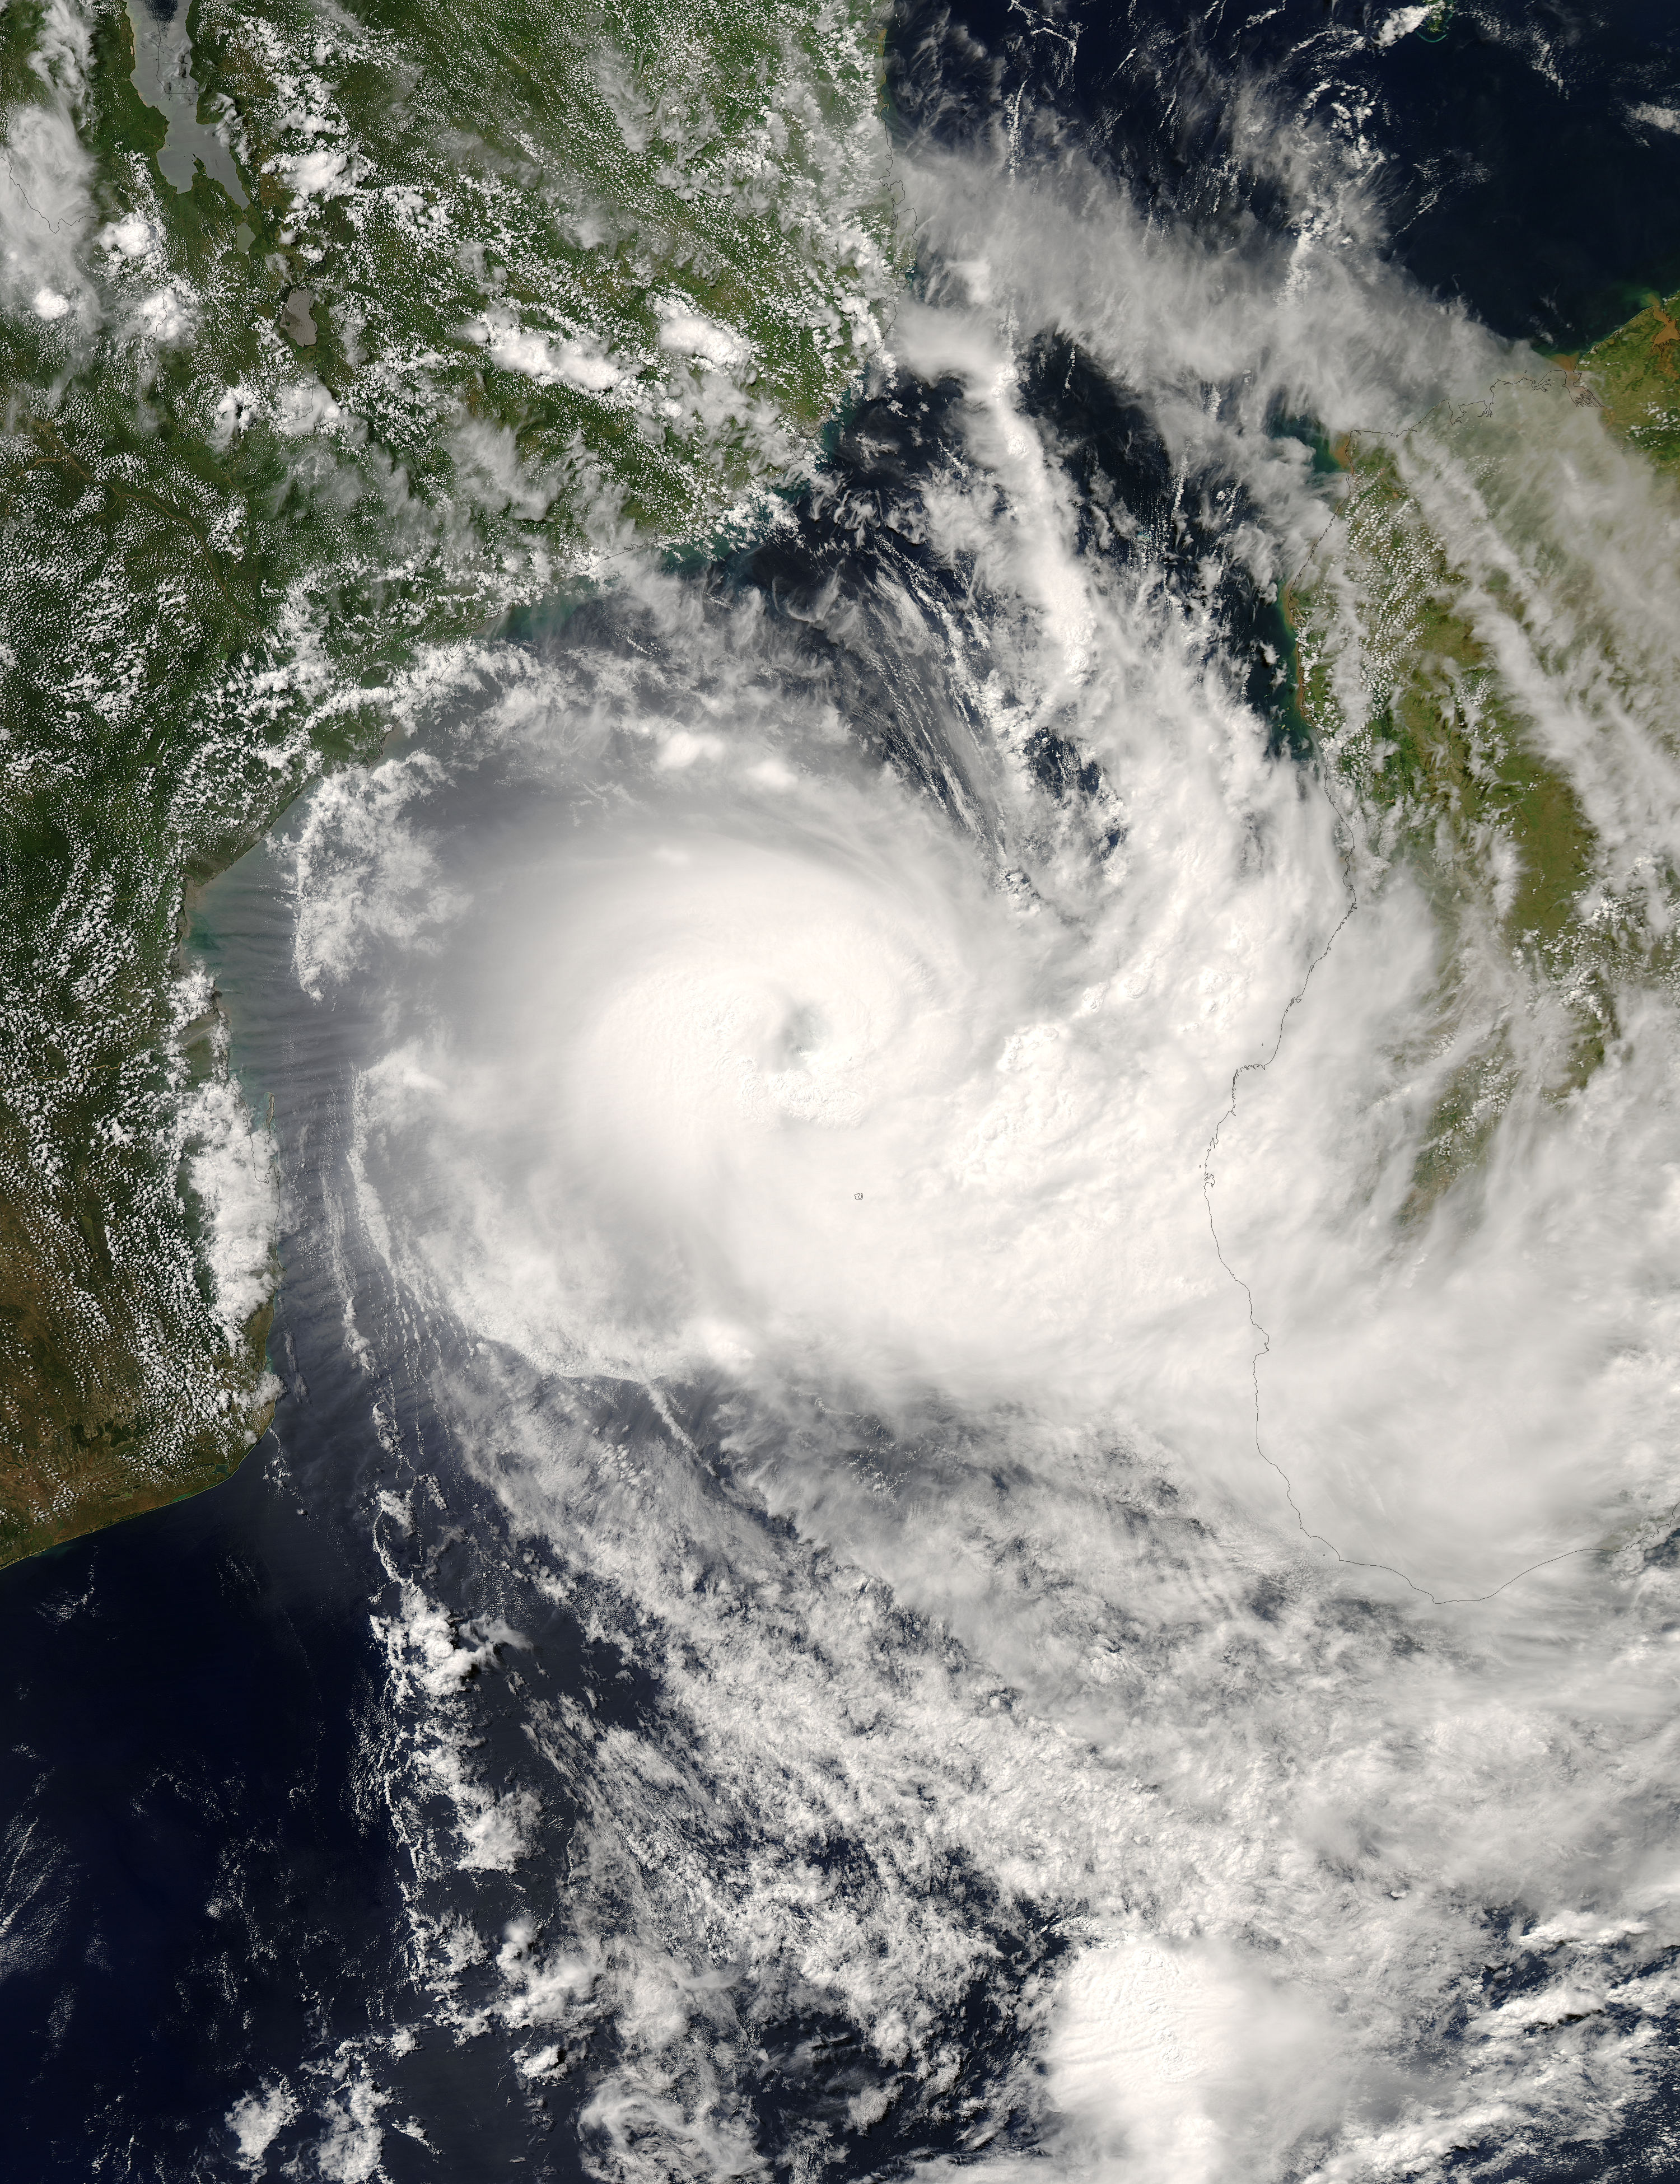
1511,168
202,1883
188,1882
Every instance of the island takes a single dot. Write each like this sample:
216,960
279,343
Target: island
1480,569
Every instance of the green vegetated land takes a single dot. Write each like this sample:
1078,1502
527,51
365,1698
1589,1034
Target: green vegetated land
1456,596
481,294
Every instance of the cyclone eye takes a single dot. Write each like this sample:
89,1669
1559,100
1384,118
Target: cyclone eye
801,1035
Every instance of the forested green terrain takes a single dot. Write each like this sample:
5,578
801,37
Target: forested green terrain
330,334
1467,631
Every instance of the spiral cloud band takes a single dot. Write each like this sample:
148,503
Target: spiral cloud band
916,1231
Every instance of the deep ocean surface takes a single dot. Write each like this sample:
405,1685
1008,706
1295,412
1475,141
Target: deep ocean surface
211,1888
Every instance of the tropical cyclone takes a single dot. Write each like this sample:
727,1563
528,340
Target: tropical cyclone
1473,645
412,319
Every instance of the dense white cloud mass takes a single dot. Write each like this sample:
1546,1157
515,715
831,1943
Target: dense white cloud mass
708,1053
